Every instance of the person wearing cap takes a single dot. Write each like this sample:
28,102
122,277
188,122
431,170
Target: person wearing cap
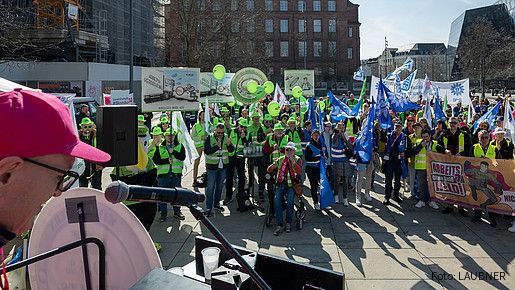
240,139
164,123
455,142
484,149
272,148
83,113
340,145
295,135
198,134
217,148
36,166
268,124
393,168
284,119
288,168
420,149
314,151
257,138
408,129
92,171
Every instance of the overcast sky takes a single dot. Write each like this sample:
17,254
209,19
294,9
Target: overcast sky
408,21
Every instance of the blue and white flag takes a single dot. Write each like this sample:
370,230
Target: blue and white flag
509,121
364,144
326,194
312,115
407,82
489,116
341,110
407,65
399,102
359,75
427,113
382,110
439,115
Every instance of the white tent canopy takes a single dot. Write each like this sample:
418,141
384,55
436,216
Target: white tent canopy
7,86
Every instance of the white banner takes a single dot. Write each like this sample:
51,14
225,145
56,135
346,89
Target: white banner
302,78
94,90
218,91
121,97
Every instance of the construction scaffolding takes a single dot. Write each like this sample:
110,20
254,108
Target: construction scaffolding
55,14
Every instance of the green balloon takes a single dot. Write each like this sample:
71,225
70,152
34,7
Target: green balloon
219,71
252,86
230,104
321,106
274,108
269,87
303,105
260,92
296,91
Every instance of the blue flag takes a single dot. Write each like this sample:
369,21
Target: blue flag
407,65
489,116
359,75
398,101
364,144
406,83
312,115
341,110
439,115
326,194
381,109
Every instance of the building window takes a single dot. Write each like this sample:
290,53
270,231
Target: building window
332,48
235,26
269,25
284,48
349,31
251,25
200,26
317,49
317,25
217,6
269,5
349,53
332,25
284,25
234,5
283,5
301,6
302,25
316,5
302,48
269,48
250,5
331,6
202,5
318,71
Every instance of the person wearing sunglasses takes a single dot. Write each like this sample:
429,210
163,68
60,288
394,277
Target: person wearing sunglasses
92,172
36,166
455,142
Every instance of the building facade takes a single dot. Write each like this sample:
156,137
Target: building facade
276,35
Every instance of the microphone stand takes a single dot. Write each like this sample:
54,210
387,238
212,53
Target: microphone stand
198,213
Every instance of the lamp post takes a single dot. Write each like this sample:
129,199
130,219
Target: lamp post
131,48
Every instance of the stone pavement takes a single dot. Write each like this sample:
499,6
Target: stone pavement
377,247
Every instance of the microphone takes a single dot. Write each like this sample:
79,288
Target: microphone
119,191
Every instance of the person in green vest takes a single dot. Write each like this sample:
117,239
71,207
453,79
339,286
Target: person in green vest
421,147
351,101
273,147
198,134
295,135
164,122
159,153
217,148
92,172
257,137
177,154
268,124
240,139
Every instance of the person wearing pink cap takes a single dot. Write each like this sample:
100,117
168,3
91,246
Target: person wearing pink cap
38,146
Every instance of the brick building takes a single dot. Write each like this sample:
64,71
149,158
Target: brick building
322,35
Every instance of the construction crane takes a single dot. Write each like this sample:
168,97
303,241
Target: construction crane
53,14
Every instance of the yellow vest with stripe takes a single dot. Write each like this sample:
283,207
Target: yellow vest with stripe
236,142
461,142
276,154
161,168
349,128
295,138
278,163
420,158
253,131
414,140
478,151
199,131
223,153
176,163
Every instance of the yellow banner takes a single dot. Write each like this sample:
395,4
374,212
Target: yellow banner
478,183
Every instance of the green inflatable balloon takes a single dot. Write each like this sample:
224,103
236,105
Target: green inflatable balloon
321,106
269,87
260,92
274,108
252,86
230,104
219,71
296,91
303,104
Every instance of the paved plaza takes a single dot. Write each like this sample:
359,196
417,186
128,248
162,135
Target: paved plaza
398,247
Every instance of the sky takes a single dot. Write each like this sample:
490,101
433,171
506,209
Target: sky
408,21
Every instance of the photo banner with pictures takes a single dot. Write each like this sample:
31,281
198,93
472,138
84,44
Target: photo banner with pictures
302,78
477,183
216,91
170,89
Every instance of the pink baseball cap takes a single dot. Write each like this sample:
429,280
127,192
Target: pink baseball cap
35,124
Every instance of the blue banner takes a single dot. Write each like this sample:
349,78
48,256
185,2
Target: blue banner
326,194
364,144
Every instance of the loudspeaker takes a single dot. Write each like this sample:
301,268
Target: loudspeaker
117,134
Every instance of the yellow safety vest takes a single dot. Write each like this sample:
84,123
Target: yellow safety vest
420,158
478,151
215,157
197,133
461,142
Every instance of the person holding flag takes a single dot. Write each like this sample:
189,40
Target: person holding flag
393,157
341,167
314,152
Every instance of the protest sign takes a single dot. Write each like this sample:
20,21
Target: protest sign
217,91
121,97
478,183
305,79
